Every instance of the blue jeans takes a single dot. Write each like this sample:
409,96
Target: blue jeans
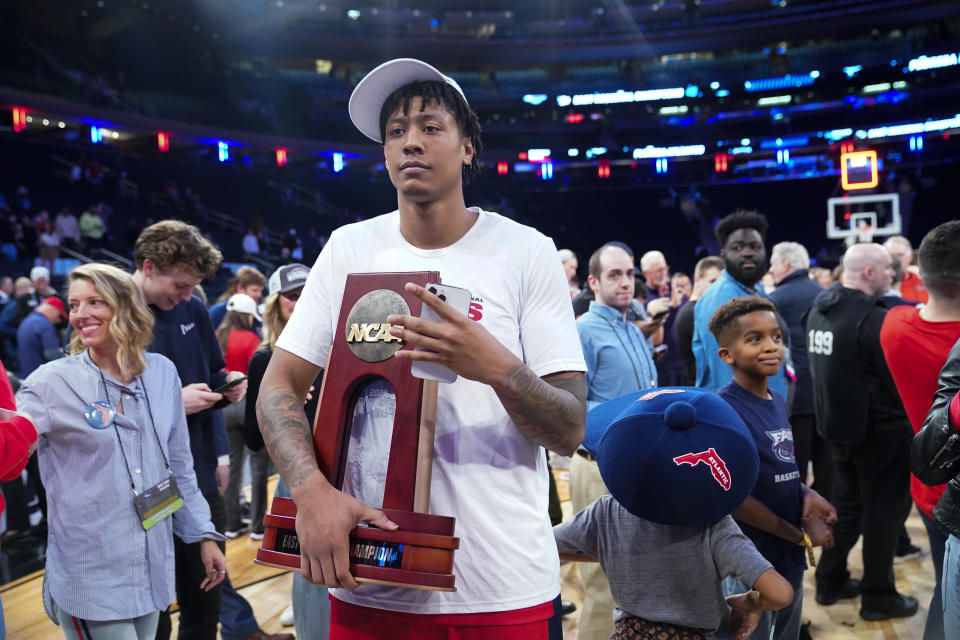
3,626
236,616
938,540
311,604
786,621
951,588
311,609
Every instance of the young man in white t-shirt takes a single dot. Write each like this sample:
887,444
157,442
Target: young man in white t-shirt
520,384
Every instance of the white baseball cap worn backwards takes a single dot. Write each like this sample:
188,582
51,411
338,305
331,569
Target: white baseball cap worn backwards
372,91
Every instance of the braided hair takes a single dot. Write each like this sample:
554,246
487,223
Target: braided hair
443,94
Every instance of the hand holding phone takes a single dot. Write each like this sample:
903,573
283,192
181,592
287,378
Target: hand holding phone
230,385
457,298
658,308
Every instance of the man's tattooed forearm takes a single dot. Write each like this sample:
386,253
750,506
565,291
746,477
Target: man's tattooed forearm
550,412
286,434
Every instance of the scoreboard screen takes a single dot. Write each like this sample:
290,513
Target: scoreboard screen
858,170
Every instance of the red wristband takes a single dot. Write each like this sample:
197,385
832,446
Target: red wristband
954,412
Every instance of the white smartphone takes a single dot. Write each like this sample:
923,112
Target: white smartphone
457,298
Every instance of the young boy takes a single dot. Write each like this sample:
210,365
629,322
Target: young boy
663,536
781,516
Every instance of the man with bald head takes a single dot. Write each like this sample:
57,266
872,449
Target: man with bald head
860,414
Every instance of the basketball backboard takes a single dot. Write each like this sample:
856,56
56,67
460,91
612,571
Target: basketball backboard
861,218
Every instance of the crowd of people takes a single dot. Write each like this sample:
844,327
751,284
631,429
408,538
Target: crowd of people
32,233
855,366
718,429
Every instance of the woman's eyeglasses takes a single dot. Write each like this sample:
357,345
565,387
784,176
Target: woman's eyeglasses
292,296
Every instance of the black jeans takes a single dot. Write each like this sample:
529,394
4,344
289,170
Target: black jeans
872,495
809,446
199,609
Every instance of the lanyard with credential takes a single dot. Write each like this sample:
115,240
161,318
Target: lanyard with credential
159,501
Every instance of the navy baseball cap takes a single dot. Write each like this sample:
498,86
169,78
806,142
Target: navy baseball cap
674,455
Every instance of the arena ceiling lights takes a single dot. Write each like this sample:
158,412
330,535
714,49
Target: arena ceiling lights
621,96
770,101
650,151
911,128
835,135
785,143
783,82
923,63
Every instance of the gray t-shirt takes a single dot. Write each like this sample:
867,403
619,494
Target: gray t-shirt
660,572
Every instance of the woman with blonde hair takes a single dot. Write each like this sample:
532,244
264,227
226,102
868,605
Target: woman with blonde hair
115,460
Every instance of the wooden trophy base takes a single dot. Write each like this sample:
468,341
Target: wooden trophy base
418,555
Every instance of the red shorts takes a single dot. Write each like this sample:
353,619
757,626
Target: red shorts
352,622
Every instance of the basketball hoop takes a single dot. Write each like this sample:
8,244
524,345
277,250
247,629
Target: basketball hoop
862,218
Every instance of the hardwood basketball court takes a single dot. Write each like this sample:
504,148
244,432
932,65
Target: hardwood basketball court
268,591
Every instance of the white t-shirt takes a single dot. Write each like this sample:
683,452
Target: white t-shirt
486,474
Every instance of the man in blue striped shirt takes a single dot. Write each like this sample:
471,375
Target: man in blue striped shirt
619,361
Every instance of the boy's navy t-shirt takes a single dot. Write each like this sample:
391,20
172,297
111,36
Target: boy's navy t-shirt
778,483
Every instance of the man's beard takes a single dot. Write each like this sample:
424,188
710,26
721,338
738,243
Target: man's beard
745,278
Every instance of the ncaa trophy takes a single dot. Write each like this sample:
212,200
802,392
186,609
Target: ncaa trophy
419,554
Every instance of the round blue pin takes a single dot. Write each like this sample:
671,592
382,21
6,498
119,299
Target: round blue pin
100,414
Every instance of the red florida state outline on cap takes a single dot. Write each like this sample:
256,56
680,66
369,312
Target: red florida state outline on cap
710,457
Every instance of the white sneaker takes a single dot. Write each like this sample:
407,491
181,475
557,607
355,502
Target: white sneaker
256,536
286,618
234,533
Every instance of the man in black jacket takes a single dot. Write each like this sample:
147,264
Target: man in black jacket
935,459
860,414
794,297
